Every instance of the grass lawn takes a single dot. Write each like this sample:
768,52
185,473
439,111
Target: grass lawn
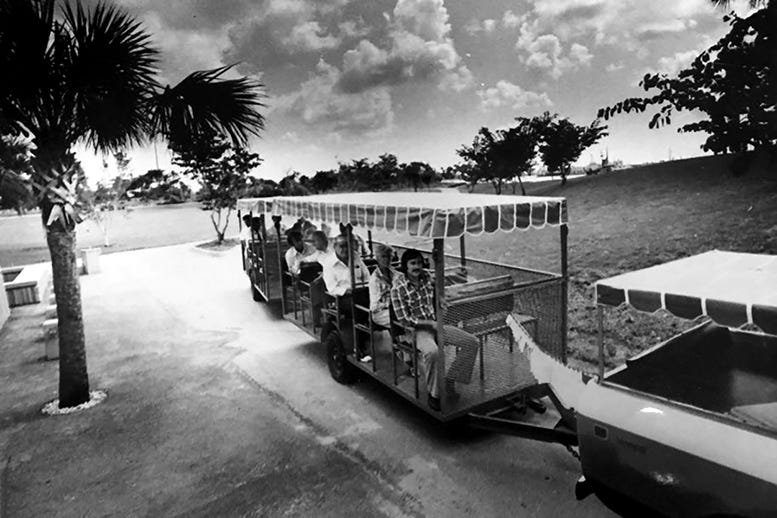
636,218
22,240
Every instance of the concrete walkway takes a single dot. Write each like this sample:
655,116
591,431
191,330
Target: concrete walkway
217,408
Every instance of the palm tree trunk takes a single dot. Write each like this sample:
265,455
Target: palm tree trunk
73,377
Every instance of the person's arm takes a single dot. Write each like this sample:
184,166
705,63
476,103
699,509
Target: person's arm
291,261
374,288
335,285
364,273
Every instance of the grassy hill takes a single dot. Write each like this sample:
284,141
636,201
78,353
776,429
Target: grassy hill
639,217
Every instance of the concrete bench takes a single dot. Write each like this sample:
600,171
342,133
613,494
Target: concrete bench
27,285
480,307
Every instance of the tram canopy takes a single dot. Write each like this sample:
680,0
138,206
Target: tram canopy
427,214
258,205
731,288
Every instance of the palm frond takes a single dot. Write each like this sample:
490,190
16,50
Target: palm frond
111,75
26,27
204,102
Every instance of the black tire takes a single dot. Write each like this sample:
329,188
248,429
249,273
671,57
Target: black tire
339,367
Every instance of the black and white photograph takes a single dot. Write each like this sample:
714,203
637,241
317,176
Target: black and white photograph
388,258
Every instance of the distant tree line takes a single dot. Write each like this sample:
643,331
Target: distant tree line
507,154
357,175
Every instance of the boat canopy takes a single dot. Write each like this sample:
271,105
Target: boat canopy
258,205
427,214
731,288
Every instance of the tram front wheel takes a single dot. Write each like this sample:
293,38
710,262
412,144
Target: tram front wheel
339,367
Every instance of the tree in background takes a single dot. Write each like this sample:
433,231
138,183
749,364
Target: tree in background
733,82
562,141
500,156
158,186
323,181
109,198
15,171
221,168
384,173
416,173
89,76
290,185
261,188
470,172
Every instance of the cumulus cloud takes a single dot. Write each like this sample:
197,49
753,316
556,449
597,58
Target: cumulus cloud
545,53
319,103
353,28
622,22
417,47
309,36
671,65
511,20
614,67
183,50
283,32
507,94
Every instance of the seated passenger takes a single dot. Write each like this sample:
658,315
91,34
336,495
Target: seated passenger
380,294
380,285
337,271
245,239
412,297
337,278
245,232
298,252
321,243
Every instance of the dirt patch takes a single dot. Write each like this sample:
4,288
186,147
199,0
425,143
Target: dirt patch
215,246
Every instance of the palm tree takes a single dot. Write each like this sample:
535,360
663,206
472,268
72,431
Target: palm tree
89,76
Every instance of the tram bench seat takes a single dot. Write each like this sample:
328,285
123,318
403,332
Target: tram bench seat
483,315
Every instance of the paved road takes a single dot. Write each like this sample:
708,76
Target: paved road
217,408
441,473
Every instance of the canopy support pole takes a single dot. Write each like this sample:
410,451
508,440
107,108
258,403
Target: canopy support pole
243,244
600,339
369,243
277,224
355,340
438,256
462,252
564,292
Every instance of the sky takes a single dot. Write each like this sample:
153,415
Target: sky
349,79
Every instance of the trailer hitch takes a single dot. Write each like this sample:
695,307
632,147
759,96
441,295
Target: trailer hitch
559,434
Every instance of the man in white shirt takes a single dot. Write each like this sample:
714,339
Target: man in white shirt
337,278
299,252
323,246
337,271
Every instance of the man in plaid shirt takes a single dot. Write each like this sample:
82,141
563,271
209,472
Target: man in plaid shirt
412,296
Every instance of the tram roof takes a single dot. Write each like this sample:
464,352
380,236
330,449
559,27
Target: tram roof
427,214
732,288
254,205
